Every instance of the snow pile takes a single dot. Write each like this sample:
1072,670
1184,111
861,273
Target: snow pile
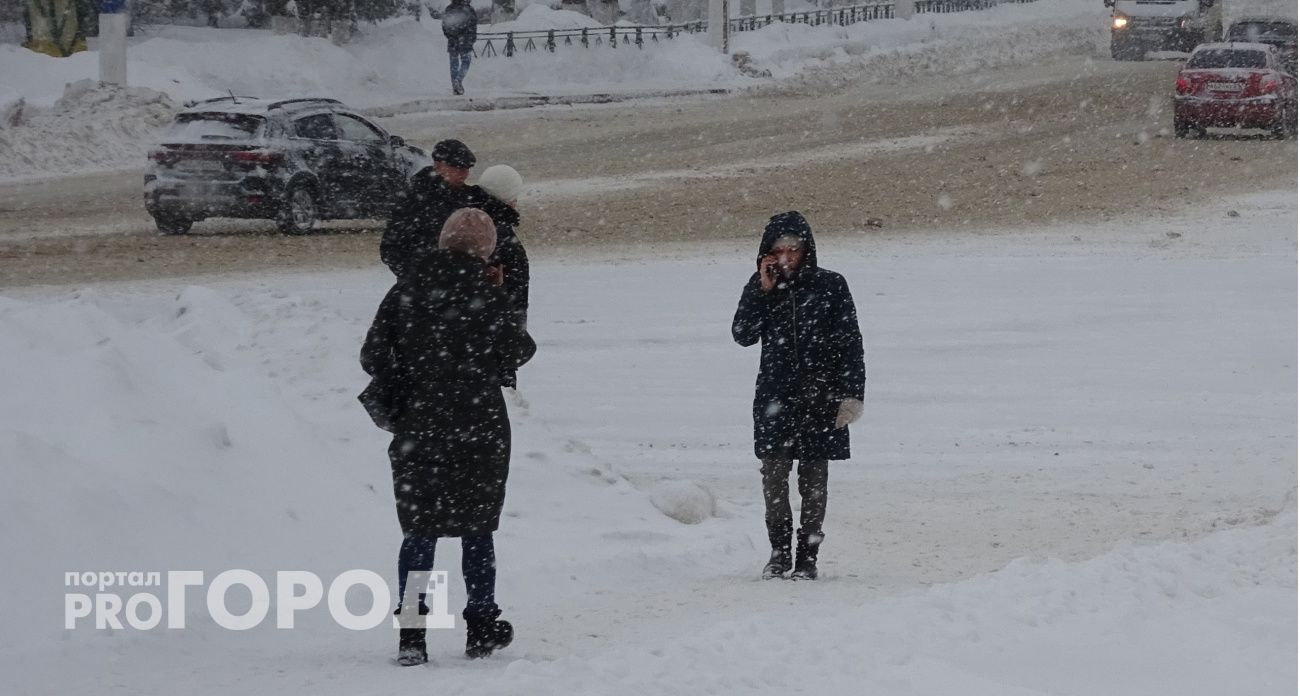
41,80
90,127
541,18
190,433
685,501
127,444
930,44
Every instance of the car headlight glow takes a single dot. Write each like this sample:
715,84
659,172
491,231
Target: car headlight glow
1119,22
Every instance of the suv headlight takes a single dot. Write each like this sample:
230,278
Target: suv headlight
1118,22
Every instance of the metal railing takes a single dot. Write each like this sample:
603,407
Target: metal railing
510,43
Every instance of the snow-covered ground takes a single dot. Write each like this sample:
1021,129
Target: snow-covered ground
1076,474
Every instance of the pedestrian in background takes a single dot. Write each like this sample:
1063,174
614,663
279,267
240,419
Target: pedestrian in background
460,26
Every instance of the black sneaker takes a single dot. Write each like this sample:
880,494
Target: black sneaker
778,565
487,634
411,649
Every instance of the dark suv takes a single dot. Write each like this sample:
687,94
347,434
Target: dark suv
1279,32
295,161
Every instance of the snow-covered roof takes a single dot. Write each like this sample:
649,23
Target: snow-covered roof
257,106
1234,46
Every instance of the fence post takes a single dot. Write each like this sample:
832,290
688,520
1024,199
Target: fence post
550,40
613,37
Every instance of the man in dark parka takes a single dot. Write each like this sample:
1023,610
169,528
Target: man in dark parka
433,195
811,382
440,342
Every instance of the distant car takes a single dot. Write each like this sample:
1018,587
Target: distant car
295,161
1278,32
1228,85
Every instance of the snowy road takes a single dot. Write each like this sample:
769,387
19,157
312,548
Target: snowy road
1119,396
1074,139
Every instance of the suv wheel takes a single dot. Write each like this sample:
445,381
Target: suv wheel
298,214
173,224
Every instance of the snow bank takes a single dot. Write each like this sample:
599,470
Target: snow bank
541,18
90,127
932,44
192,433
127,443
1210,617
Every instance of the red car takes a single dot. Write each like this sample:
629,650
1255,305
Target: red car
1227,85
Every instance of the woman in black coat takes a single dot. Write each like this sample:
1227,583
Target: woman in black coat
439,344
811,380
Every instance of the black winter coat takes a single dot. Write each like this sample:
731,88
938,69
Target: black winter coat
460,26
439,343
510,255
812,358
417,219
512,258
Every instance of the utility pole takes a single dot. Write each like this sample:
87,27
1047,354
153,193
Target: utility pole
112,42
720,25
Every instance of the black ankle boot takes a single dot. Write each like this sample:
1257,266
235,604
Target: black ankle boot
779,564
411,649
805,562
485,634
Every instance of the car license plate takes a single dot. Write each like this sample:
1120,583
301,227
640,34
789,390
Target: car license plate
200,165
1225,86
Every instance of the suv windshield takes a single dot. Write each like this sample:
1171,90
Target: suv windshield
216,126
1228,58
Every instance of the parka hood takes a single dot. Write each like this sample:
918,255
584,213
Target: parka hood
791,224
